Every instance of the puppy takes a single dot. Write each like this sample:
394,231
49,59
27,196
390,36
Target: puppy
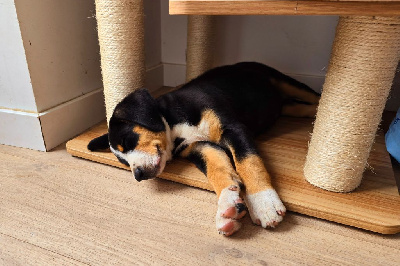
212,121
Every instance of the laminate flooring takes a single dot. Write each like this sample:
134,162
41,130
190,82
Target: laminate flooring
56,209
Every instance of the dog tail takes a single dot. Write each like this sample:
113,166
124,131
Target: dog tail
297,91
300,99
290,88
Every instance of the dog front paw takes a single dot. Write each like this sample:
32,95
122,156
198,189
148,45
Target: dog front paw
265,208
230,208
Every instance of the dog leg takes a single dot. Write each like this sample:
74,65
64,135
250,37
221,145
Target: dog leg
264,205
213,161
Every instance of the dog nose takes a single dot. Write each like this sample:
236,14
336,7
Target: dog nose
139,174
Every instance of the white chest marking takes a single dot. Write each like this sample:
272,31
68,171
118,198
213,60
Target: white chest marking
191,133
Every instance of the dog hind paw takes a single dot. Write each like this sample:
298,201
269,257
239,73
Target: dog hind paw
265,208
230,208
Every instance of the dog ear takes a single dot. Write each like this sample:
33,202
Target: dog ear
141,108
99,143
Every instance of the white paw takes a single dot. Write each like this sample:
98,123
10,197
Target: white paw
265,208
230,208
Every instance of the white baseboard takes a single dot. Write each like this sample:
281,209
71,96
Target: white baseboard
155,77
21,129
174,74
46,130
67,120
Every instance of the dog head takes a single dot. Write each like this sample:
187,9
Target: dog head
137,135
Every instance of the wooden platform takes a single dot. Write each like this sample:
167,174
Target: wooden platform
285,7
374,206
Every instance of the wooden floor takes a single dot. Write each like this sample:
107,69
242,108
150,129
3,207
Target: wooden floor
56,209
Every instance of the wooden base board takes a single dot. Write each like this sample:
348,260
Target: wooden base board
374,206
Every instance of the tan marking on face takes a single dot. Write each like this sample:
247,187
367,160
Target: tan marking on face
215,129
253,173
148,140
120,148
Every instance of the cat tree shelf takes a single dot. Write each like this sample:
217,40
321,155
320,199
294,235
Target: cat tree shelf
370,30
360,20
285,7
374,206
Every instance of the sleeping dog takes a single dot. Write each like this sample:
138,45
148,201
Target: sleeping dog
212,121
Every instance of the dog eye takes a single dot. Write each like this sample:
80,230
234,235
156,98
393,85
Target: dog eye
129,142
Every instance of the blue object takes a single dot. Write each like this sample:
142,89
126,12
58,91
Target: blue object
392,137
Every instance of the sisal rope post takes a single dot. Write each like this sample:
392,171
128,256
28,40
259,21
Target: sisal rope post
121,37
200,44
365,54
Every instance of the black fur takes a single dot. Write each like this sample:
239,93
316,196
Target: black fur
197,159
240,139
240,207
139,108
177,143
245,97
99,143
241,93
122,160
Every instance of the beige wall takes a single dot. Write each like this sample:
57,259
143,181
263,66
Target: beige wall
152,40
14,74
19,122
61,49
60,45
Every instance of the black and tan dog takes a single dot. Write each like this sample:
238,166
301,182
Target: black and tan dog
211,121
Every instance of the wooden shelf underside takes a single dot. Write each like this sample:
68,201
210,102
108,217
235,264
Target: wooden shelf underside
285,7
374,206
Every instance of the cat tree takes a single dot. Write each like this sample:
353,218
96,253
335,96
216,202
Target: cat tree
362,66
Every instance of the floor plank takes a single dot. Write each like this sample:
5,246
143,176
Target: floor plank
57,209
12,252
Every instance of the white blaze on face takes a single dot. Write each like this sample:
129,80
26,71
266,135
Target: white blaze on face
138,158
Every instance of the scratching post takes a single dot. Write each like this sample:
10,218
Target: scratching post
363,63
121,37
200,44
